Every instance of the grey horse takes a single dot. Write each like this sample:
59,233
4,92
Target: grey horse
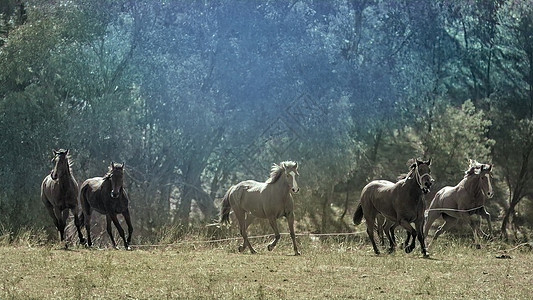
268,200
463,200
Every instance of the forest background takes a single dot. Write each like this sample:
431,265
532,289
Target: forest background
195,96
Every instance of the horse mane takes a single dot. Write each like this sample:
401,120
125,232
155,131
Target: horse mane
473,165
277,170
472,186
406,175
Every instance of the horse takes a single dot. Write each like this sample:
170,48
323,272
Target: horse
267,200
463,200
59,193
107,196
401,203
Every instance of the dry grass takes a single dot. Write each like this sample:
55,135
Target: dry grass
326,270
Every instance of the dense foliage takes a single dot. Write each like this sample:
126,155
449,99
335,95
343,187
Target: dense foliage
197,95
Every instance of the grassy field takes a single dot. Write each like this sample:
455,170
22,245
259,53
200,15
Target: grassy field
326,270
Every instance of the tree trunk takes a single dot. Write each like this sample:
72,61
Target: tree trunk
517,193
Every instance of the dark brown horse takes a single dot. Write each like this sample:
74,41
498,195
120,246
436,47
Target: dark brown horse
401,203
59,193
107,196
463,200
268,200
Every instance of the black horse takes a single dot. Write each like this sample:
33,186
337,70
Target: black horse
400,203
107,196
59,193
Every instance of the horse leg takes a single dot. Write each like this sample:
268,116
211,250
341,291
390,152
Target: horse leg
370,221
52,214
60,222
420,234
120,232
248,220
77,223
485,215
449,222
431,217
110,230
410,232
290,221
87,221
127,218
380,224
274,225
64,217
475,229
241,217
389,231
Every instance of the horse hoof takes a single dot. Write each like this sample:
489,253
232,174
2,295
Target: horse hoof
241,248
409,250
391,250
82,241
478,246
270,247
128,248
297,253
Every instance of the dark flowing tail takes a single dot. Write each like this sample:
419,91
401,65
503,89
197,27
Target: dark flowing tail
225,209
358,215
81,204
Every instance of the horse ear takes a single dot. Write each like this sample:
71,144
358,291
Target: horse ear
428,162
296,165
54,152
470,162
67,151
123,165
490,168
112,165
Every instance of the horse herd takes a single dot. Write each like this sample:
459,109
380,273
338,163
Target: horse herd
383,204
106,195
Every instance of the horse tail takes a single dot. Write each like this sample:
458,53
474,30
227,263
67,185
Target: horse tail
225,209
82,203
358,215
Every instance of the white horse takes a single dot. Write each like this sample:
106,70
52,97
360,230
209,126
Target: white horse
268,200
463,200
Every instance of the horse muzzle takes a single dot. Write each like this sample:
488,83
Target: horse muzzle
115,195
295,190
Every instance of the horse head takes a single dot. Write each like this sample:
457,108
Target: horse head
485,180
117,179
482,173
422,173
291,172
61,164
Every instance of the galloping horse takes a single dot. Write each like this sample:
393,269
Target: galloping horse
268,200
59,193
463,200
107,196
400,203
